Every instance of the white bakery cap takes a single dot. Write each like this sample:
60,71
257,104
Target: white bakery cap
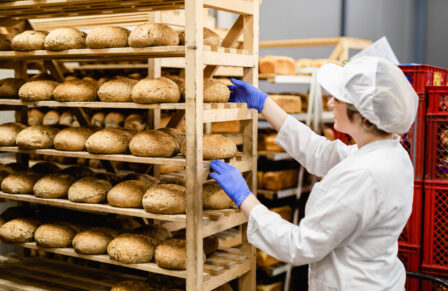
377,88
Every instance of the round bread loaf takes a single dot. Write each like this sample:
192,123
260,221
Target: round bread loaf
39,90
113,120
89,190
172,254
91,80
75,90
54,235
157,233
135,121
180,82
9,132
20,183
98,119
215,146
109,141
44,168
3,175
64,39
54,185
147,178
210,37
215,91
19,230
211,244
153,34
51,118
67,118
78,172
215,197
153,143
9,87
36,137
131,248
5,42
107,36
91,242
117,90
72,138
160,90
29,40
165,198
35,117
128,193
178,135
132,285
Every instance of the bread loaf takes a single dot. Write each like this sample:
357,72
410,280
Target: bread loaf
64,39
172,254
215,146
266,142
72,138
215,91
278,180
44,168
89,190
5,42
260,179
165,169
78,172
91,242
165,198
9,132
178,135
39,90
265,260
114,120
211,245
36,137
67,118
29,40
160,90
130,248
289,103
35,117
107,36
135,121
157,233
144,177
128,193
51,118
9,87
54,235
233,126
284,211
153,143
180,82
117,90
54,185
112,178
19,230
20,183
109,141
215,197
98,119
210,37
132,285
153,34
75,90
279,65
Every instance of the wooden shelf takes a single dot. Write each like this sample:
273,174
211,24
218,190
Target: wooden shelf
275,156
39,274
214,221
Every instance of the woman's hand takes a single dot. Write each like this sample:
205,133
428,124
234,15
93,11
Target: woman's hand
243,92
231,181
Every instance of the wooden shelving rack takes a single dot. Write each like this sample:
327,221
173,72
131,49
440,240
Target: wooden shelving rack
200,62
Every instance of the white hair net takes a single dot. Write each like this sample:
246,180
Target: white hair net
377,88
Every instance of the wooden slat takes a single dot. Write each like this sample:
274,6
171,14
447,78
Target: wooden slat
242,7
227,114
230,257
220,263
216,281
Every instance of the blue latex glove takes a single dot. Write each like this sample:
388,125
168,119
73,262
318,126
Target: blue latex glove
243,92
231,181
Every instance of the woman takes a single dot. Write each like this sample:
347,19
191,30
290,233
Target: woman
355,214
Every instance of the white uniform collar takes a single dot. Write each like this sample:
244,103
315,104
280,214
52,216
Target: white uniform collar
381,143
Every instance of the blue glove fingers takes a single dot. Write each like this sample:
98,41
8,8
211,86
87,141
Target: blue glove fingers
218,166
214,176
235,81
231,87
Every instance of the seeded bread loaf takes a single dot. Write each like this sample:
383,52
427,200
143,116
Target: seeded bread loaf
9,87
153,34
36,137
157,233
93,241
153,143
29,40
178,135
54,185
215,146
114,120
39,90
89,190
117,90
210,37
128,193
51,118
215,91
165,198
109,141
172,254
75,90
180,82
72,138
35,117
54,235
20,183
67,118
78,172
9,132
19,230
130,248
135,121
160,90
98,119
107,36
215,197
65,38
5,42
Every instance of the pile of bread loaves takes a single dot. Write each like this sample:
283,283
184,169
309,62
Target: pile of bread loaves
127,242
163,142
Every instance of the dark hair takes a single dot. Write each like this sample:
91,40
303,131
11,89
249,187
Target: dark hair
365,124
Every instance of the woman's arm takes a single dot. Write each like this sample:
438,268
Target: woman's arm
274,114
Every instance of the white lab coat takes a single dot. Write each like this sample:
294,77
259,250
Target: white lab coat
353,216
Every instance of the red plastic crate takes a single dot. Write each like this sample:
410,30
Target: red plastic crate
414,140
410,237
435,234
345,138
436,165
410,256
422,76
437,100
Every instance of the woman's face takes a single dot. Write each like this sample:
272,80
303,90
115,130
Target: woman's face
341,121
